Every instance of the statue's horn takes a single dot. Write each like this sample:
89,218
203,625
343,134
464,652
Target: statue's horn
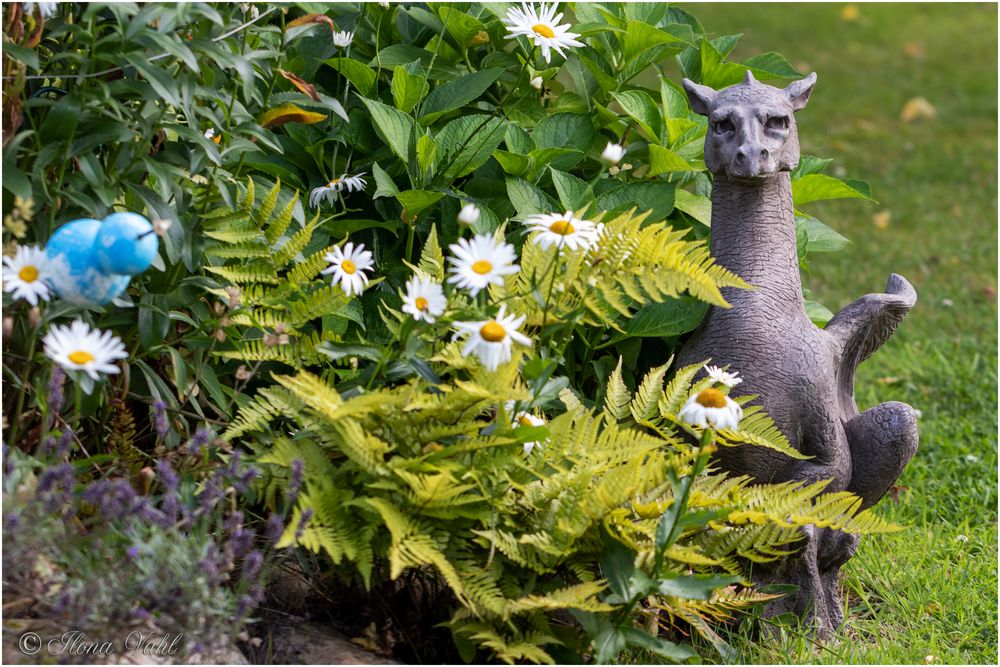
749,78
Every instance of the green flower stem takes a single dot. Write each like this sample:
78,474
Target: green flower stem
15,422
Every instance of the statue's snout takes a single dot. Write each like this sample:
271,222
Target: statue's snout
752,160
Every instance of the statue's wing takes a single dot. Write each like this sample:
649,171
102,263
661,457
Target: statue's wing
863,326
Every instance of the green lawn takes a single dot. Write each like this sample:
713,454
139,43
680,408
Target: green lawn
932,589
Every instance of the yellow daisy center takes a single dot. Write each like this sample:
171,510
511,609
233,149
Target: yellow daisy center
28,274
524,420
217,138
492,332
80,357
711,398
543,30
348,267
561,227
482,267
421,303
333,183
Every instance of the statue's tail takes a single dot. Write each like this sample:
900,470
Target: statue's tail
863,326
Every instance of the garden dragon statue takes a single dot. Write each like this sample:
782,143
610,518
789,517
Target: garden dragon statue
804,374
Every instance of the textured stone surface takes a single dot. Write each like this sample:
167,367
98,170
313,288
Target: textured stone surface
804,375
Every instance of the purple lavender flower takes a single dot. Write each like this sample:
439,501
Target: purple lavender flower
56,394
275,528
132,552
11,522
303,520
295,480
209,566
114,499
245,478
141,614
55,486
160,422
62,603
167,476
252,565
242,541
234,522
199,440
210,495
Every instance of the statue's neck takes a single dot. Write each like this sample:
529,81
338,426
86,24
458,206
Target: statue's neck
753,235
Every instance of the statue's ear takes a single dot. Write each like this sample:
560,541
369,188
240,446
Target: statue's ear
798,92
700,97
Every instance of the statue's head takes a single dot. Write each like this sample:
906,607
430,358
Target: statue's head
751,126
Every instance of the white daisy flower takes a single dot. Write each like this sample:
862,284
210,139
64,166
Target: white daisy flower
540,25
613,153
524,418
348,266
536,83
424,299
339,184
491,340
556,230
469,215
711,406
77,347
46,9
384,4
343,39
480,262
722,377
210,134
24,274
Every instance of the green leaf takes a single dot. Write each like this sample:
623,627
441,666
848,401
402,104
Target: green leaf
771,65
565,130
384,185
21,53
658,645
395,127
162,83
407,88
573,193
513,163
816,187
821,238
663,161
466,143
698,207
415,201
608,645
810,164
359,74
657,197
617,566
818,313
695,586
640,36
457,93
426,152
670,318
342,350
558,158
61,121
527,199
641,107
460,25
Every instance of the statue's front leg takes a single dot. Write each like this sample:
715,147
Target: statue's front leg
882,439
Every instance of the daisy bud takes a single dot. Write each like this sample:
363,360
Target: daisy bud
34,316
482,37
536,83
469,215
613,153
161,227
8,326
342,39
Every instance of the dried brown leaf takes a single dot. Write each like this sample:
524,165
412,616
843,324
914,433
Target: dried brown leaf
300,83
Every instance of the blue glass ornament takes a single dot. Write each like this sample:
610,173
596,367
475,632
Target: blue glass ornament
92,261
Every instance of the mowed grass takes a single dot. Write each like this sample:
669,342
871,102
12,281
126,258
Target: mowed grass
930,590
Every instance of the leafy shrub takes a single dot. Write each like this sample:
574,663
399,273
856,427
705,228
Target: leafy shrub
427,115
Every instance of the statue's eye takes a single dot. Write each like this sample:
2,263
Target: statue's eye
777,123
724,126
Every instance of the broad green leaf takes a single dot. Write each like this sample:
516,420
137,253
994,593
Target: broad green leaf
573,193
407,88
617,566
454,94
663,161
462,27
821,238
21,53
565,130
384,185
396,127
818,313
670,318
162,83
641,107
359,74
415,201
466,143
695,586
640,36
426,152
657,197
559,158
771,65
513,163
810,164
698,207
658,645
61,120
528,199
816,187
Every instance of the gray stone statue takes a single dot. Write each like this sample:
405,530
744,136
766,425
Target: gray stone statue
804,374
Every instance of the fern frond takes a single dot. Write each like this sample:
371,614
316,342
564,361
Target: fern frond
617,395
643,406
